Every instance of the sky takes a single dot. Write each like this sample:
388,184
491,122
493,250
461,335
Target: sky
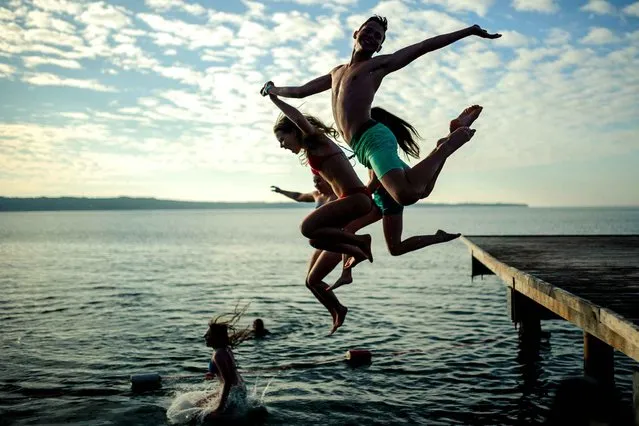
160,98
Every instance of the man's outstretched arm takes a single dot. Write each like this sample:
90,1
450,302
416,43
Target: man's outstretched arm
317,85
405,56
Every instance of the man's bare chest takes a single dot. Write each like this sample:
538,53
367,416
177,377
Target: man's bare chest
346,80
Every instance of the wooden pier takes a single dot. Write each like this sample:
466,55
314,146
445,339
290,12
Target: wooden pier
591,281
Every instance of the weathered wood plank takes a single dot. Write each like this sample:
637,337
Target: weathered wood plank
591,281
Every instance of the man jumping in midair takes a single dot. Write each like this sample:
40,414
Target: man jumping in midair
353,88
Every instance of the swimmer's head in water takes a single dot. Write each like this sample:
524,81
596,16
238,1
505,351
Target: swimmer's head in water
291,137
321,185
370,36
258,324
258,328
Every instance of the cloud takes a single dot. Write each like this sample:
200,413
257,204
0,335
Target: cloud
479,7
50,37
44,20
599,36
512,39
103,15
164,5
59,6
295,26
557,36
6,70
599,7
6,14
334,5
255,9
175,32
35,61
47,79
75,115
632,9
543,6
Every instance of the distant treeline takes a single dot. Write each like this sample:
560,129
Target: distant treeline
128,203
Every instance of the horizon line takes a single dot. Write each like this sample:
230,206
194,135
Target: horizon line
421,202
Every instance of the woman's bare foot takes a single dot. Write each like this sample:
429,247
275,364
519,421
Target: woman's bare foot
444,236
366,248
339,320
346,278
352,261
333,314
466,118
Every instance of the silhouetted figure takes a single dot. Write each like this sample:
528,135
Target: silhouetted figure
258,329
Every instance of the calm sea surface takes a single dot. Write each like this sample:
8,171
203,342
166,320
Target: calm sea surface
89,298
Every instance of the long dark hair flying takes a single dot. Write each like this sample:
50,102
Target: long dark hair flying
403,130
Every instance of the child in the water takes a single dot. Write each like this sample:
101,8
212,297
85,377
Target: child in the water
259,331
222,365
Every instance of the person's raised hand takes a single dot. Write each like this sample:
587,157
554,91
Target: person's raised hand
266,89
480,32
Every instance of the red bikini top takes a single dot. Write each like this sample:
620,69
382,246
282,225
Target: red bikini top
316,161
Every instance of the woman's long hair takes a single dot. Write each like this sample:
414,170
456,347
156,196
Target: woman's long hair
224,327
284,124
403,131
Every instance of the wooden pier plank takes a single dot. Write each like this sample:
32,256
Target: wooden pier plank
592,281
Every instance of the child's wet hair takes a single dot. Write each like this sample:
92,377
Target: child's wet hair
223,328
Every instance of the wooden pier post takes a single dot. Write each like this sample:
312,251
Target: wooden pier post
527,314
478,268
599,360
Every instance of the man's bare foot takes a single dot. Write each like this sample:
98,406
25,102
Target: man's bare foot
466,118
458,138
339,320
444,236
346,278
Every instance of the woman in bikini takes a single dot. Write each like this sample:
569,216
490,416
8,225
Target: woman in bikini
324,227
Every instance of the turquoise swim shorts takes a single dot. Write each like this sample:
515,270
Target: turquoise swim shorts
376,149
387,204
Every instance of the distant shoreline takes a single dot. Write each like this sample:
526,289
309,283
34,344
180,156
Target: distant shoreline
15,204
